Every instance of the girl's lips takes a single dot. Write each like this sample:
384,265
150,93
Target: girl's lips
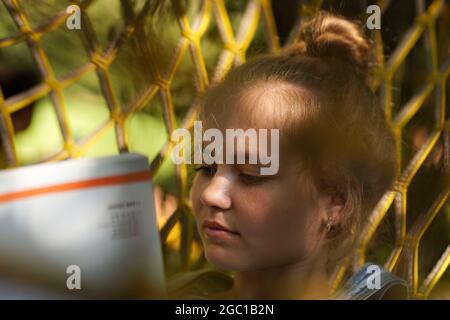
217,231
216,225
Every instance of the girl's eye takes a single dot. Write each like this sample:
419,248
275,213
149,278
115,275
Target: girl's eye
207,170
251,179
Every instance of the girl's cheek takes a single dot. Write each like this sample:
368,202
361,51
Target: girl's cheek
196,192
255,213
272,214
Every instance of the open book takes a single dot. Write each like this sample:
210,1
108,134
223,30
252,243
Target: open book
79,229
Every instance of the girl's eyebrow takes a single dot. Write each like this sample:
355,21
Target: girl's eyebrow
247,157
248,169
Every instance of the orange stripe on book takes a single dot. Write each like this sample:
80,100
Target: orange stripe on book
98,182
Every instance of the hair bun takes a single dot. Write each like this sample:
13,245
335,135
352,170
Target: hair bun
331,36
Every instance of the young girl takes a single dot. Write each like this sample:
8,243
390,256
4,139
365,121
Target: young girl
282,235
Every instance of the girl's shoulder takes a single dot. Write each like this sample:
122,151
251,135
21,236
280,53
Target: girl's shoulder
200,284
373,282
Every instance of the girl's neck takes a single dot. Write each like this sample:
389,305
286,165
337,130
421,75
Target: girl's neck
301,280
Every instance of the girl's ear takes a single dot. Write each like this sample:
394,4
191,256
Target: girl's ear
333,205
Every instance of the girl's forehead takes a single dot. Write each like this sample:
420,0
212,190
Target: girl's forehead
265,104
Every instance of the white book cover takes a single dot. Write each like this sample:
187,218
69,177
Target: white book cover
79,229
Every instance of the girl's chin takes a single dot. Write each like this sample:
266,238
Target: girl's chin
222,259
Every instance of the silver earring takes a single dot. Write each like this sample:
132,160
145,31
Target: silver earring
329,226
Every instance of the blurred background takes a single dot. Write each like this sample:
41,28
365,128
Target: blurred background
134,70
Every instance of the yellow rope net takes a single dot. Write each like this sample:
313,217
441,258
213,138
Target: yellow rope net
257,14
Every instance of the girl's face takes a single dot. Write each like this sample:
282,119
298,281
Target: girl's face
269,221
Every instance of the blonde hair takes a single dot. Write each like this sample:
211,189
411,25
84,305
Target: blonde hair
331,116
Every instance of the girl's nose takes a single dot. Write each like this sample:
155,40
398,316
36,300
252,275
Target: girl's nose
216,193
